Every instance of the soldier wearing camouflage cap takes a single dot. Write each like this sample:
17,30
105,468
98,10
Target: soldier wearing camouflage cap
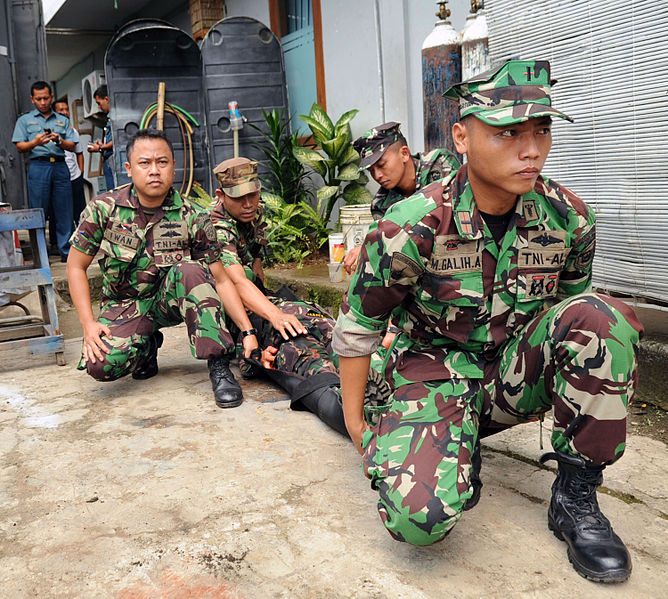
488,274
295,335
385,154
160,267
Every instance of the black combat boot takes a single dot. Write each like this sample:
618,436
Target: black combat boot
594,549
148,365
226,390
476,483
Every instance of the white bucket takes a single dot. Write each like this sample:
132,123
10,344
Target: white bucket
355,221
336,247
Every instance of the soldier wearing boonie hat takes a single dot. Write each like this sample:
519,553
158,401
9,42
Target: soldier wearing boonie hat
237,177
488,275
296,334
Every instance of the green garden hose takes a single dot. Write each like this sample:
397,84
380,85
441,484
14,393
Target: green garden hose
186,122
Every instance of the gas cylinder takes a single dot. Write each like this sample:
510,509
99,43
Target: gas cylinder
475,47
441,68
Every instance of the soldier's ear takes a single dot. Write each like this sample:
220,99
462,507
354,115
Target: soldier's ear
461,137
219,194
127,169
405,153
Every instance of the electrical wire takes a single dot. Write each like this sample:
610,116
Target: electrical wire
185,122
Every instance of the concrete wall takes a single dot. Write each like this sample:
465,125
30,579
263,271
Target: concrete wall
352,76
257,9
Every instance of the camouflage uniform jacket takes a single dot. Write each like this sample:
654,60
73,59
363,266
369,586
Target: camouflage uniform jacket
137,249
433,265
240,243
429,167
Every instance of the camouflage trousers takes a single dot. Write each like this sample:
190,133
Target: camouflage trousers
186,293
577,359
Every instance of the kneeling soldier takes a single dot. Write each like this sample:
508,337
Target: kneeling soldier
158,258
488,275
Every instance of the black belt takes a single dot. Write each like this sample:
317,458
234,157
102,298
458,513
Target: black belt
49,158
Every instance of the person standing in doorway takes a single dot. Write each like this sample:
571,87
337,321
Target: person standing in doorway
106,145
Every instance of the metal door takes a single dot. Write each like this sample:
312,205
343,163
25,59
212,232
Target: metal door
242,61
299,55
142,54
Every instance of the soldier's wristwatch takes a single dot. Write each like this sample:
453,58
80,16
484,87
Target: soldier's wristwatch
248,333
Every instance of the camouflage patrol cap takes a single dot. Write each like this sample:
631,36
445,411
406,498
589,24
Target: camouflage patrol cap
373,144
516,91
237,176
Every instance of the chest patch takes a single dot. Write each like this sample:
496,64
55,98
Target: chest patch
451,254
169,236
122,234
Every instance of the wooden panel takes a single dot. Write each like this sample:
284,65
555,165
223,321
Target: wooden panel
319,60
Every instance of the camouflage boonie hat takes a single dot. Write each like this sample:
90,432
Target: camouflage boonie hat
237,176
373,144
514,92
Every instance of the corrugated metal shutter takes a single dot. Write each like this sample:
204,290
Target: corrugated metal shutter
612,65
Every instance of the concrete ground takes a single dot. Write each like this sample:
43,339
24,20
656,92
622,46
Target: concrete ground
138,489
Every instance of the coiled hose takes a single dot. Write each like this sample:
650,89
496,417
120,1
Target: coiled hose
186,122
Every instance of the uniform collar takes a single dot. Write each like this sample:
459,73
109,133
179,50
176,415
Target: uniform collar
35,112
127,197
466,213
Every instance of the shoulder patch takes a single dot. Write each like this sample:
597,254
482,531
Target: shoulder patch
403,270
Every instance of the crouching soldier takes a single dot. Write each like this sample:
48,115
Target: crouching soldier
488,276
295,335
157,260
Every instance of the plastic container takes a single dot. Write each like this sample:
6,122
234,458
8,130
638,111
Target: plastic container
355,221
336,272
336,247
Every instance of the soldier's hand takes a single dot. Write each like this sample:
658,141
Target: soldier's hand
350,260
250,343
268,356
93,346
287,324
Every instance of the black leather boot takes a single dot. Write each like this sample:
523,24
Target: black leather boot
148,365
594,549
476,483
226,390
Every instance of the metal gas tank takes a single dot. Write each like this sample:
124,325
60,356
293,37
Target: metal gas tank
441,68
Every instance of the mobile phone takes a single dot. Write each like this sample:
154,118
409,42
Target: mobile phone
47,130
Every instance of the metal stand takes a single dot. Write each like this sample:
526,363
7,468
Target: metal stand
29,334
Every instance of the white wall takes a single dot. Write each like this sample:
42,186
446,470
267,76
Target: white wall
257,9
352,77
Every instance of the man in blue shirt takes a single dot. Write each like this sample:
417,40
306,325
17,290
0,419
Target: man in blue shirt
45,135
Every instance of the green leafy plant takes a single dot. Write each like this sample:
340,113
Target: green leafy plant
294,231
337,163
200,199
286,176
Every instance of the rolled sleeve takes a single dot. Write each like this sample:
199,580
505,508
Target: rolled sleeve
355,335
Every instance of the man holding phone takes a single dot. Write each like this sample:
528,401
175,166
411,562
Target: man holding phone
45,135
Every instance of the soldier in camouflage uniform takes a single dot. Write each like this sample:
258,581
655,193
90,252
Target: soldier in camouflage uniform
296,336
384,152
488,275
160,267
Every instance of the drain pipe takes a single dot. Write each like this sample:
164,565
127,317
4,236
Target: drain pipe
379,53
